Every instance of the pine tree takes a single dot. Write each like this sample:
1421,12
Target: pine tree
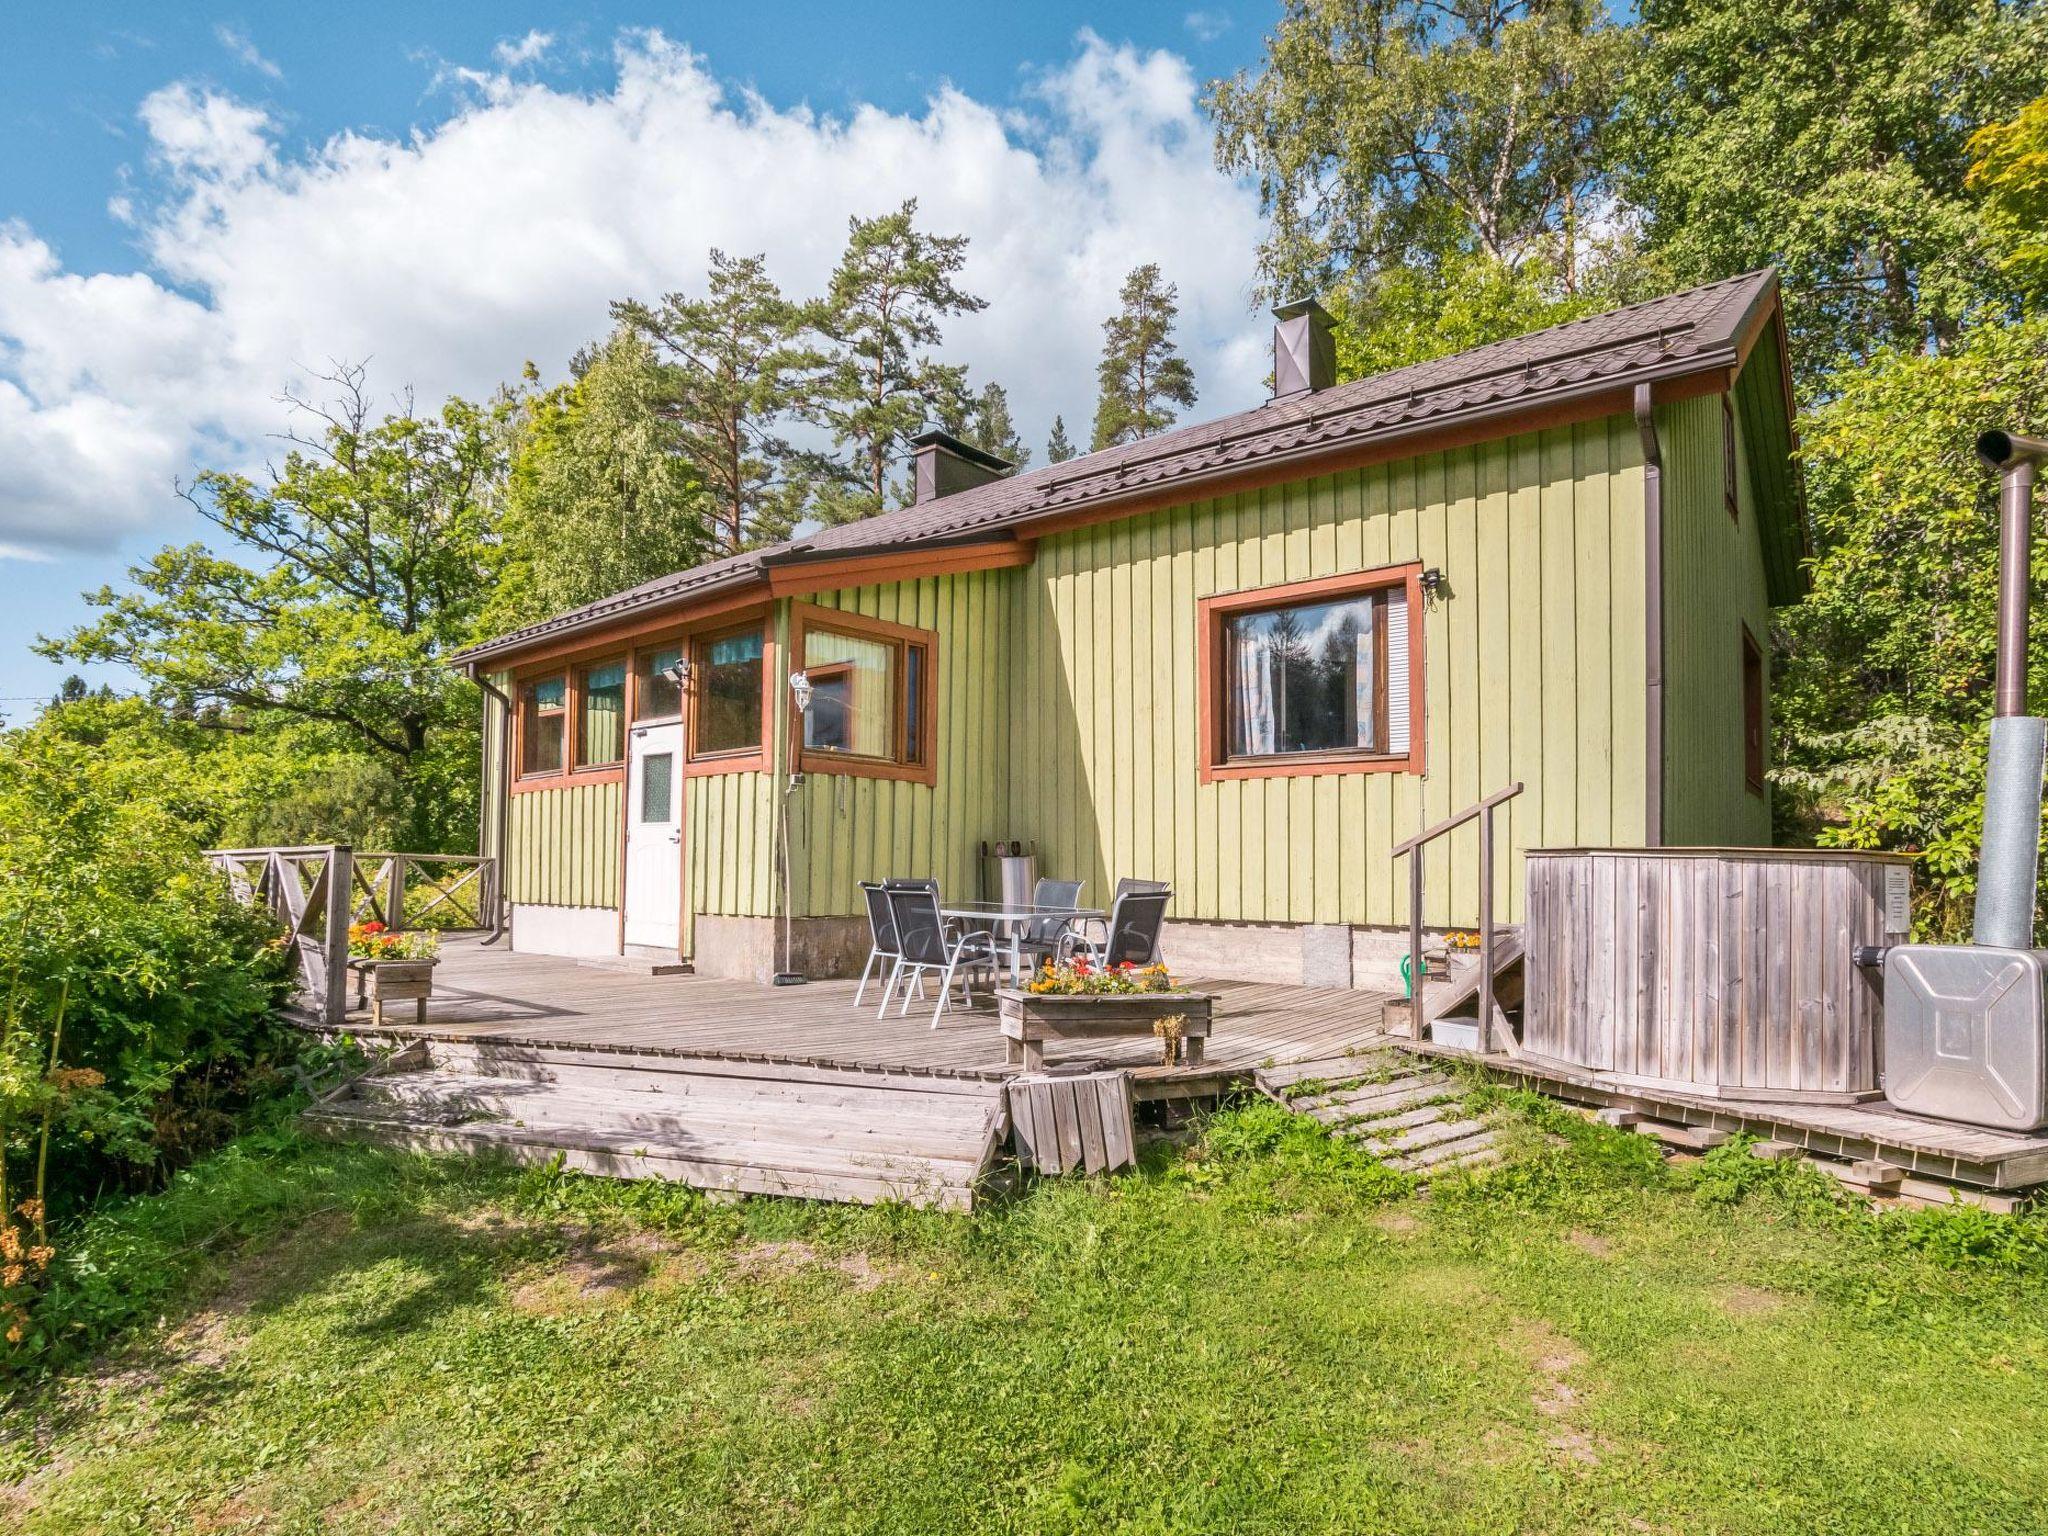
990,428
1057,449
1142,376
734,369
891,290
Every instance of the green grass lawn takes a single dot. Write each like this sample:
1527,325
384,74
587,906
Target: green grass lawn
1262,1332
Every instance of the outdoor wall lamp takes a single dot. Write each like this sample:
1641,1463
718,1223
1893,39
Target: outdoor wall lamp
800,691
678,672
1432,581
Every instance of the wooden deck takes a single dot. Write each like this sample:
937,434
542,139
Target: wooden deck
488,994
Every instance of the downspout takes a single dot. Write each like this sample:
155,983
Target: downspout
1653,618
497,803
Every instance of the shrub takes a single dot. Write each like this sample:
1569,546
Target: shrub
137,997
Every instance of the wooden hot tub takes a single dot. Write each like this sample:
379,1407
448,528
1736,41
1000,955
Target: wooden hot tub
1718,971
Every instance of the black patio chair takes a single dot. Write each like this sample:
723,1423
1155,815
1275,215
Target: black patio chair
1041,936
1130,936
923,945
882,951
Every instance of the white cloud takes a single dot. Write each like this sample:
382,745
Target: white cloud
239,44
530,49
1206,26
502,231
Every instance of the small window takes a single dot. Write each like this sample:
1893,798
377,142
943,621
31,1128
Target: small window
1730,460
727,674
543,709
870,696
601,732
658,697
1753,687
657,788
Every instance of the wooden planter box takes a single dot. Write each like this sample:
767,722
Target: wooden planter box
1028,1019
394,981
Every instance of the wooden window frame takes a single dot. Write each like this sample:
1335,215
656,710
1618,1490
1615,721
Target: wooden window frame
753,759
1731,460
521,690
1212,616
805,617
570,665
578,680
1756,755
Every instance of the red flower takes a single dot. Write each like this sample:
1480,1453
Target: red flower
371,927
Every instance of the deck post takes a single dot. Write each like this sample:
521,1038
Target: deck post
1486,930
334,934
394,900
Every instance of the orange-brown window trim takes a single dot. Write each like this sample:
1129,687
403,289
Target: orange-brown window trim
1213,711
752,759
805,617
1755,688
571,663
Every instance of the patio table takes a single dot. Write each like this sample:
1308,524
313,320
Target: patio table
1008,920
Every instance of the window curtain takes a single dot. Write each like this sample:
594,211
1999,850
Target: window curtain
604,714
1252,697
870,700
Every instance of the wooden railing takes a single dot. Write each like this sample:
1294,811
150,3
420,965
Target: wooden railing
317,891
307,889
448,891
1481,811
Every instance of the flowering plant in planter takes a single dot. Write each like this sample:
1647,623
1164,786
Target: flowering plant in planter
1081,977
374,941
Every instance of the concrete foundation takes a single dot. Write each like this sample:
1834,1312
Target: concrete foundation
750,948
573,931
1288,954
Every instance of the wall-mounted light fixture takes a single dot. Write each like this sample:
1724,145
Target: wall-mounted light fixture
1433,586
678,671
800,691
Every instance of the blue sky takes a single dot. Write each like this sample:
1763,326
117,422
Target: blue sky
196,204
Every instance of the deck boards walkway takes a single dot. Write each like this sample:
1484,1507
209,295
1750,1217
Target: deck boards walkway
488,994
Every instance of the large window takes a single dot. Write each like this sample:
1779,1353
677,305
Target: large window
601,715
871,696
1313,677
543,716
726,673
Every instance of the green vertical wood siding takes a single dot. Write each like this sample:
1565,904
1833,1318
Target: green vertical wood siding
565,846
846,829
1713,583
1534,670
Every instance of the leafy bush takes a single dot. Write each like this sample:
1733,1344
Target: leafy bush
137,996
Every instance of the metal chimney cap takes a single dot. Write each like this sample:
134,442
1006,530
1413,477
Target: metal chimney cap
1294,309
946,441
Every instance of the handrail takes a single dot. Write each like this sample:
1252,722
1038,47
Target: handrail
1483,811
1452,823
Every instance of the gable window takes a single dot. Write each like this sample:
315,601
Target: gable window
1753,689
1730,466
543,718
871,695
1312,677
726,671
601,715
656,695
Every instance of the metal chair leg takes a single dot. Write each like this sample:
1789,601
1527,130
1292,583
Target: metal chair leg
861,991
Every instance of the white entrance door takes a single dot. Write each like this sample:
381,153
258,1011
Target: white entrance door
654,836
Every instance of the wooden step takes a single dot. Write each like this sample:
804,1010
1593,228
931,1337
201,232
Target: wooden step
848,1136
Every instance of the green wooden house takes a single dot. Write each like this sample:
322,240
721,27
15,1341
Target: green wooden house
1246,657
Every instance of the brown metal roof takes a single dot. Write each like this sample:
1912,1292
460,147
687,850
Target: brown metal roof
1667,338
